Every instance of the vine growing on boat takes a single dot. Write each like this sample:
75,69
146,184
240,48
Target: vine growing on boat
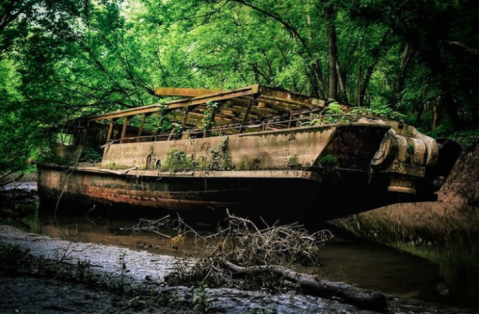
164,122
328,161
177,130
292,162
91,155
208,121
50,155
217,158
177,160
334,113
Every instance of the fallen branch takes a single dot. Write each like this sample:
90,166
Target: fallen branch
243,243
3,176
315,286
4,183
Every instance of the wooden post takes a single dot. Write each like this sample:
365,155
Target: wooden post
185,117
208,127
160,126
141,127
123,131
171,134
110,130
245,117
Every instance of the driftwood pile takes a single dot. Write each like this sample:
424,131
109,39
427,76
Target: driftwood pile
242,255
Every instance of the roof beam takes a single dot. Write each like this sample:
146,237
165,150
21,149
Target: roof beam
281,95
175,104
186,92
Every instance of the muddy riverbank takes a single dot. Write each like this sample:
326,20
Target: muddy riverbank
29,294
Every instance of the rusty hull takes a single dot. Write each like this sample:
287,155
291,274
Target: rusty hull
286,195
270,187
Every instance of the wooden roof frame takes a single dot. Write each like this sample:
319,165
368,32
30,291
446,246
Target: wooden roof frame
276,101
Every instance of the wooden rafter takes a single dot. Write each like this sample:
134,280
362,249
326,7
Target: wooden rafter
244,107
186,92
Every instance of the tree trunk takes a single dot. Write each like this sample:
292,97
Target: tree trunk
315,286
399,86
358,86
342,83
450,104
433,59
436,118
420,106
333,52
369,72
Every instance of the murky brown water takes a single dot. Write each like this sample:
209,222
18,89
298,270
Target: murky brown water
346,258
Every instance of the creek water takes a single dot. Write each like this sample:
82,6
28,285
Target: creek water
347,258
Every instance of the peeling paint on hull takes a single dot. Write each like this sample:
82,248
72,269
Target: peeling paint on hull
343,169
301,196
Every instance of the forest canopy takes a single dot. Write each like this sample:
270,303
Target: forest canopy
61,59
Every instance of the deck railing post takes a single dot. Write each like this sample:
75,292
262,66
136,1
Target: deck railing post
123,131
110,130
248,109
207,131
142,125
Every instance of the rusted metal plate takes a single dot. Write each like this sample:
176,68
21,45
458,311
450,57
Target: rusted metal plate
275,196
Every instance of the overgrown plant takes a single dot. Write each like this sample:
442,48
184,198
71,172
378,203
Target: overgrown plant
334,113
293,162
47,154
219,158
328,161
177,130
208,122
14,258
202,300
90,155
177,160
122,262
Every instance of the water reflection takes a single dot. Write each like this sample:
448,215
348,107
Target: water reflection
462,282
22,215
459,269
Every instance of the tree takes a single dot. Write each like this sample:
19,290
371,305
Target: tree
428,27
71,58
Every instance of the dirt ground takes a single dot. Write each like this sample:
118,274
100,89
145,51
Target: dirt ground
462,184
32,295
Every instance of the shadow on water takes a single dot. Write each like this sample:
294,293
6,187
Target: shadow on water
23,216
348,258
444,233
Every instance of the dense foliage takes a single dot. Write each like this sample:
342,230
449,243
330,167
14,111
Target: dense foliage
64,58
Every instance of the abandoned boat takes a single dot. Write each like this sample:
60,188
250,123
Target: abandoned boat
256,150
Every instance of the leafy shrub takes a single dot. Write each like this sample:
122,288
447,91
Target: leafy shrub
177,160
